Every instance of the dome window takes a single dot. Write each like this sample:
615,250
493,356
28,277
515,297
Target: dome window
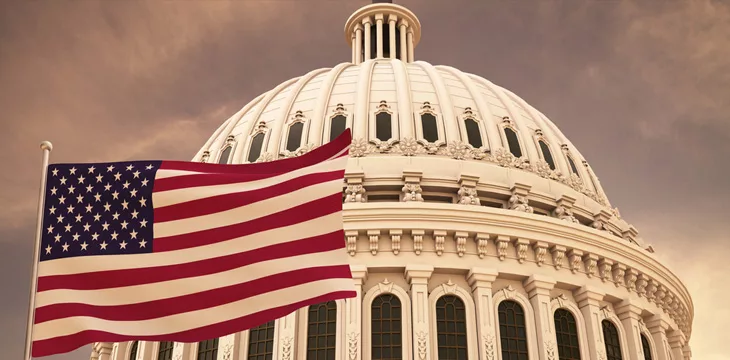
164,352
256,146
208,349
546,154
322,331
387,340
225,155
133,350
645,347
472,133
338,124
566,332
383,122
451,328
610,338
512,330
513,142
429,126
573,168
260,342
294,139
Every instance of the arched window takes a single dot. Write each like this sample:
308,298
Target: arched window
566,333
208,349
451,328
610,338
547,154
383,129
338,124
165,350
472,133
430,128
261,342
387,339
573,168
225,154
133,350
255,150
513,142
294,139
645,347
512,330
322,331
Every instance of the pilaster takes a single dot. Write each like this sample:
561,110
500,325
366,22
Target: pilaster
676,342
103,350
145,349
182,350
417,276
588,299
630,314
658,326
353,315
228,347
481,281
285,336
538,290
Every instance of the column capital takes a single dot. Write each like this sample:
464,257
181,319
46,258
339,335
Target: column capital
588,295
379,17
628,309
657,323
418,274
481,277
538,285
359,273
676,339
392,18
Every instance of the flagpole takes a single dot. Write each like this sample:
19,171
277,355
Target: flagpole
46,146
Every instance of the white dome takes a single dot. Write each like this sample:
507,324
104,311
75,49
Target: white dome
455,187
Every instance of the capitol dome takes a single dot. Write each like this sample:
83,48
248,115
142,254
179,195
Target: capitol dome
475,229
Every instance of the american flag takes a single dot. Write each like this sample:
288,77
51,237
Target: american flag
183,251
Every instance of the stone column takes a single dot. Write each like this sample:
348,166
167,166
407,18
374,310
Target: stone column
410,44
379,36
658,326
630,314
367,24
538,289
481,281
182,350
417,276
144,350
588,299
392,19
358,43
353,315
285,336
403,45
676,343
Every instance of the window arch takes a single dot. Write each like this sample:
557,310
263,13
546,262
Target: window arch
512,330
573,168
430,127
610,338
386,327
513,142
566,333
451,328
322,331
208,349
165,350
133,350
261,342
225,155
472,133
338,124
383,126
294,138
547,154
254,151
645,347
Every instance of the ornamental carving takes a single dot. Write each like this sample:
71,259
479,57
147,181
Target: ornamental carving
384,147
373,241
358,148
412,192
558,256
351,240
562,212
519,203
286,348
440,240
540,252
502,244
385,286
468,196
561,300
505,158
352,340
227,351
631,277
461,244
417,242
298,152
395,241
409,147
488,341
550,345
421,344
354,193
177,351
266,157
205,157
482,243
509,292
449,287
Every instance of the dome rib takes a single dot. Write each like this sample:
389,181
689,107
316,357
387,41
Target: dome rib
405,100
362,105
316,129
445,103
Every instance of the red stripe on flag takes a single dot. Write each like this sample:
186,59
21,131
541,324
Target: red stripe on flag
196,301
139,276
68,343
218,203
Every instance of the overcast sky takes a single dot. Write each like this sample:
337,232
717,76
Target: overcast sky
641,88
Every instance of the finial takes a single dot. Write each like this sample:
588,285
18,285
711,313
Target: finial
46,145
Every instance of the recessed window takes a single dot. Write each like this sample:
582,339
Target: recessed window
645,347
472,133
261,342
386,326
133,350
322,331
255,150
294,139
573,168
430,128
338,124
225,154
513,142
451,328
383,129
566,333
512,330
610,338
547,154
165,350
208,349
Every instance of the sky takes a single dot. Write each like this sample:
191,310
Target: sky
640,87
